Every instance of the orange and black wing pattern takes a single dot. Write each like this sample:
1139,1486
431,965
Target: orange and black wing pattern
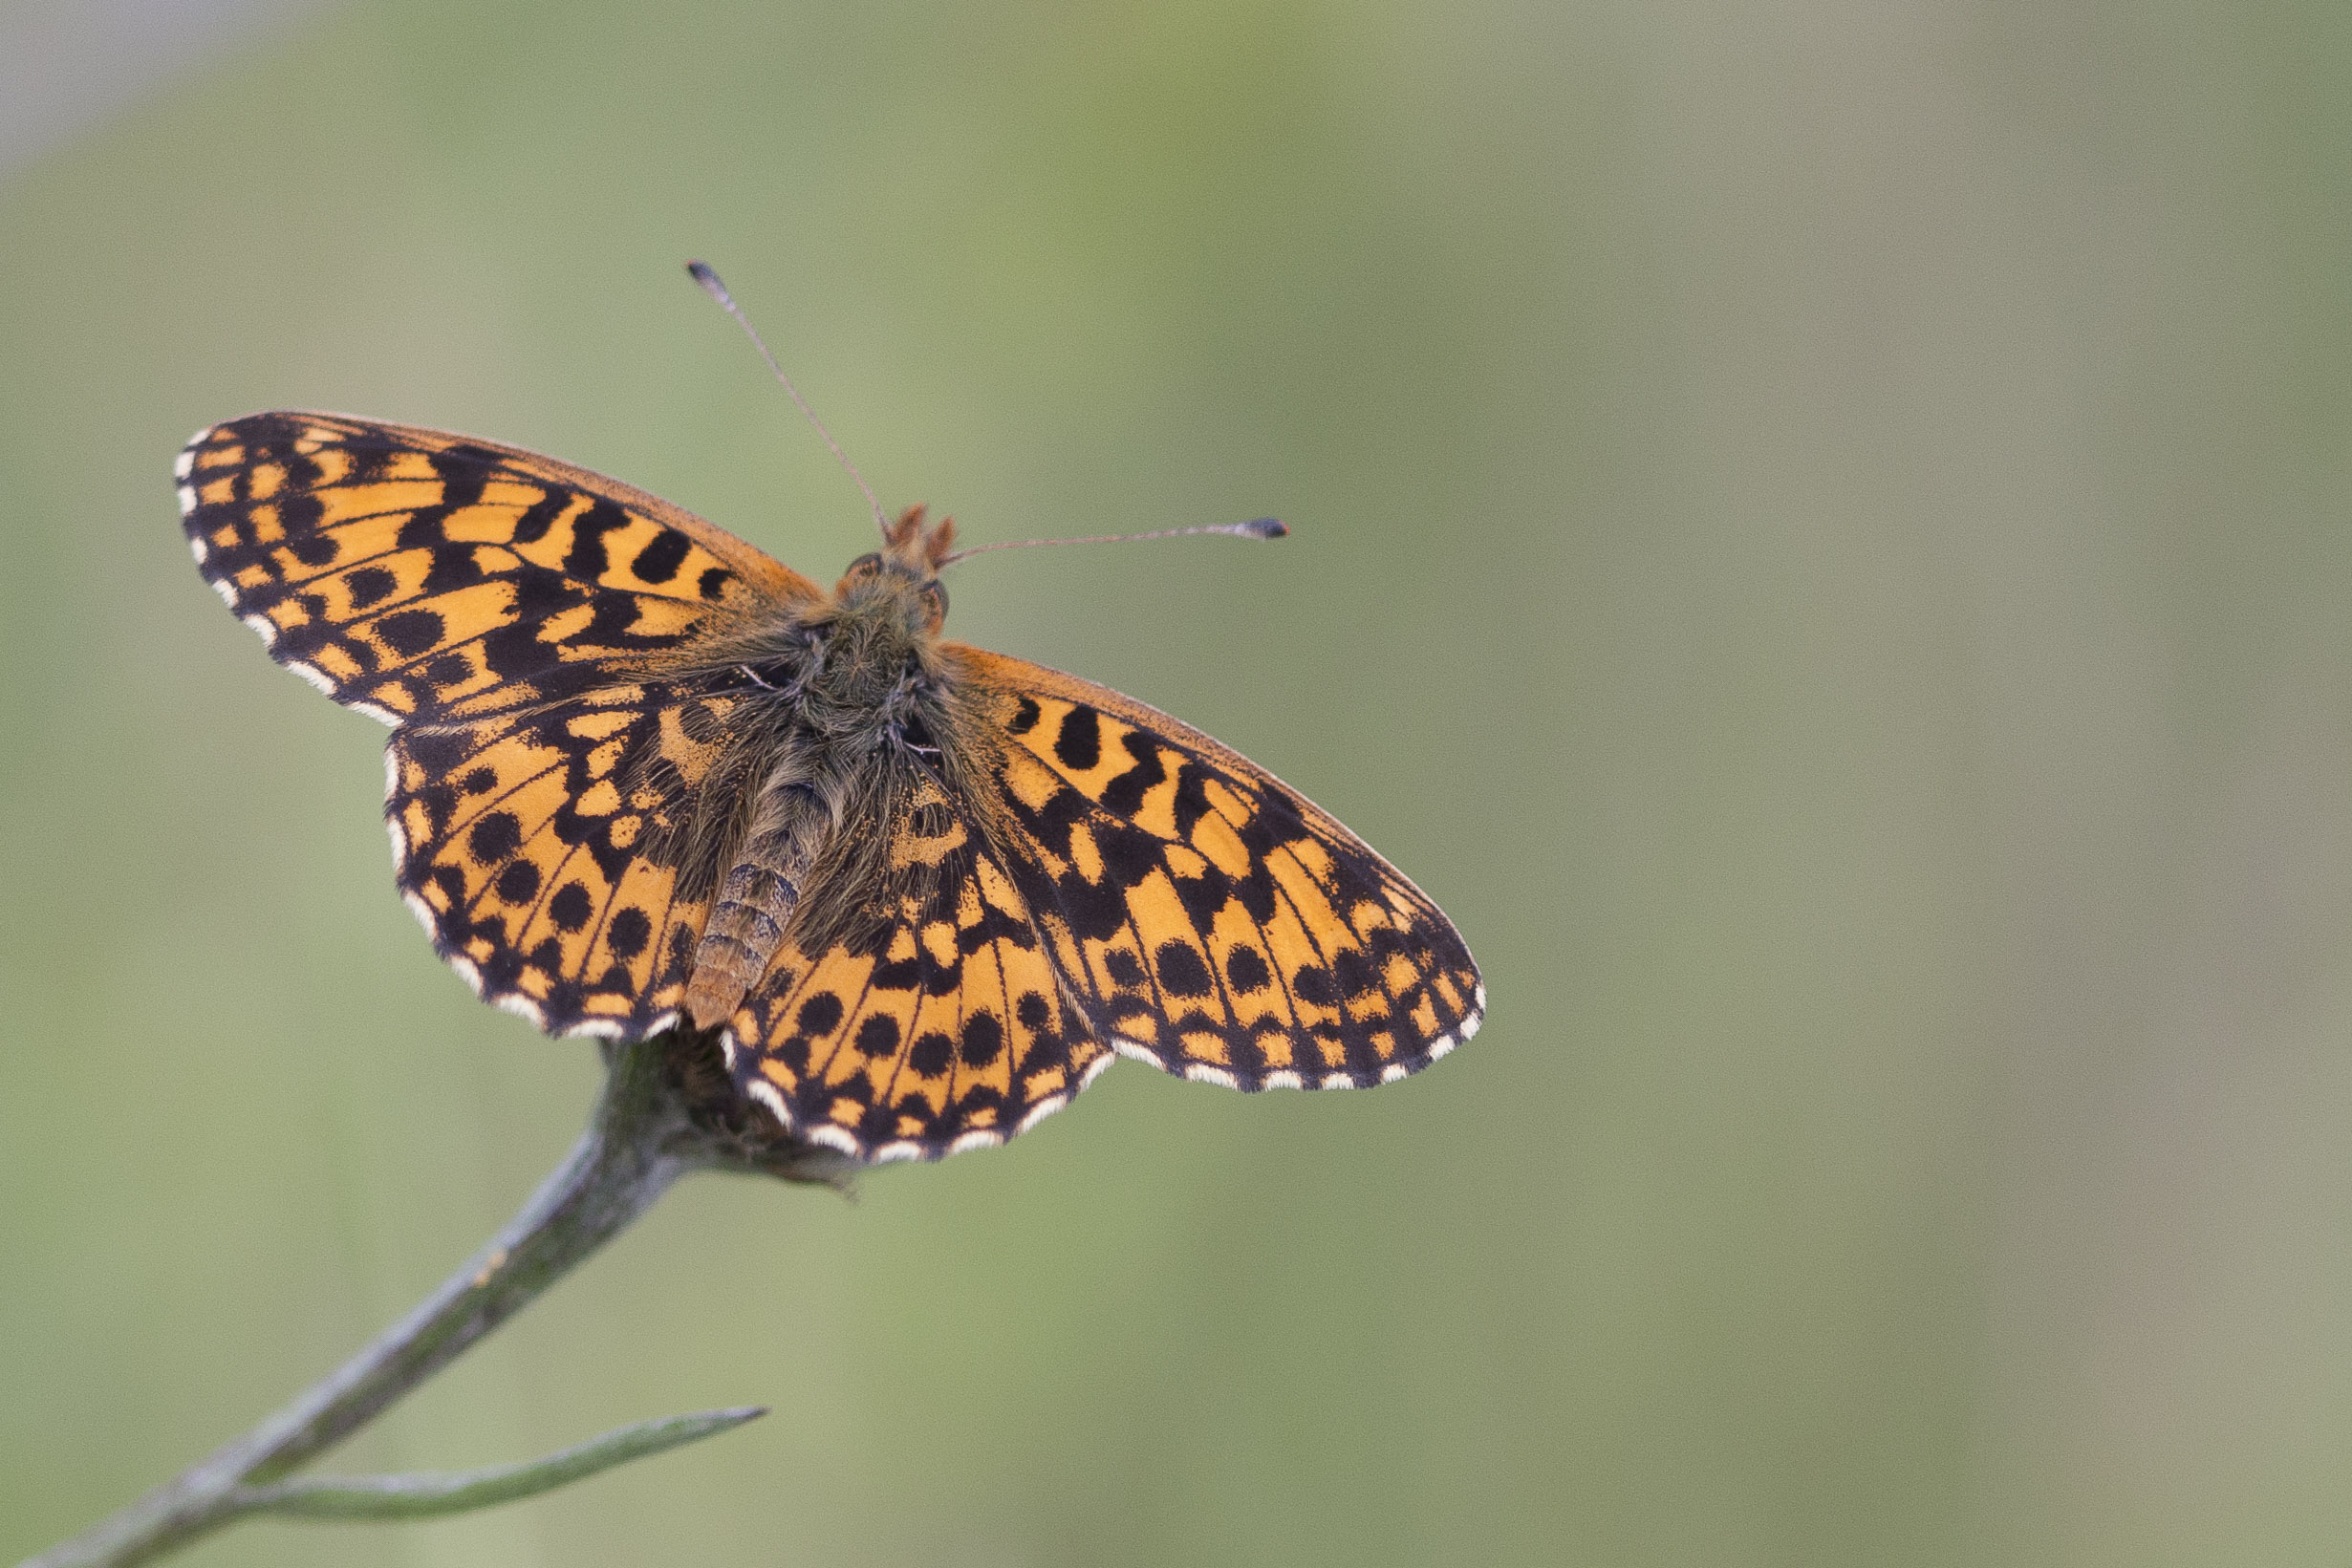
510,616
540,848
937,1025
1204,916
420,576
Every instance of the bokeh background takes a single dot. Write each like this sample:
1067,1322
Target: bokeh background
1821,540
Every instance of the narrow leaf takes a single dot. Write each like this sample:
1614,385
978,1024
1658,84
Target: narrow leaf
426,1494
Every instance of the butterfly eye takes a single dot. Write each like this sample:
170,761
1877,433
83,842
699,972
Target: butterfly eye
865,565
935,598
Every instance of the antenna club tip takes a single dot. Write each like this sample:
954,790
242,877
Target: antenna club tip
701,272
1266,527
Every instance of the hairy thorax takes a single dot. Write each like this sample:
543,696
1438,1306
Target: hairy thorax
847,700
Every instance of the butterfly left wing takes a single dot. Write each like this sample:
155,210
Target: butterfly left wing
520,622
1206,917
937,1024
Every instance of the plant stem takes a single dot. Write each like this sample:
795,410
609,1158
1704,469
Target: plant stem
429,1495
645,1133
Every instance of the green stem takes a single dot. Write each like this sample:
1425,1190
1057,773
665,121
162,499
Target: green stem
644,1135
428,1496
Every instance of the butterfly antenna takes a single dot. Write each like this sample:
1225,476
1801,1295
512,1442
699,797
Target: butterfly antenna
701,273
1260,527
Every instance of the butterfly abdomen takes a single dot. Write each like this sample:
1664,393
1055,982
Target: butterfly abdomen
788,830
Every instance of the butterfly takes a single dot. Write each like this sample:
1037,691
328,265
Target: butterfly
642,775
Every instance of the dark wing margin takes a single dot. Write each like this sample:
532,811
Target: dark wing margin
417,575
1206,917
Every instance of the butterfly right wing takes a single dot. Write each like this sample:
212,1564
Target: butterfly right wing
539,847
418,576
1208,919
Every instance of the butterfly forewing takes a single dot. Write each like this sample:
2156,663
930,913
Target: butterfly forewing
1207,917
418,575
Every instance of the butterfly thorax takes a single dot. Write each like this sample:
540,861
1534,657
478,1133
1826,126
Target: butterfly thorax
847,700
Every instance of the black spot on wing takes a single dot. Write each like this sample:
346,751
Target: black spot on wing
984,1037
571,907
313,550
494,837
820,1014
1079,739
410,632
628,932
1180,971
878,1036
930,1053
300,514
659,560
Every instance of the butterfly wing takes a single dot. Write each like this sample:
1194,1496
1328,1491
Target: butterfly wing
1206,917
937,1025
511,616
420,576
540,848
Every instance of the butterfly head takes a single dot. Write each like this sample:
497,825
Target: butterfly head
906,570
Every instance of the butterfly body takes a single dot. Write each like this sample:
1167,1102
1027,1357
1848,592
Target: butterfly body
848,703
642,775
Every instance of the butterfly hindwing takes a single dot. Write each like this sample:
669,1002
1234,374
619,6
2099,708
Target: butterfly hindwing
540,848
938,1025
418,575
1207,917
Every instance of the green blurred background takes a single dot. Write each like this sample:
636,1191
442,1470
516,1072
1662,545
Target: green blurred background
1820,540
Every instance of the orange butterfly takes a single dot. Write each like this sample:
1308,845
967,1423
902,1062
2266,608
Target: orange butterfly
642,775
